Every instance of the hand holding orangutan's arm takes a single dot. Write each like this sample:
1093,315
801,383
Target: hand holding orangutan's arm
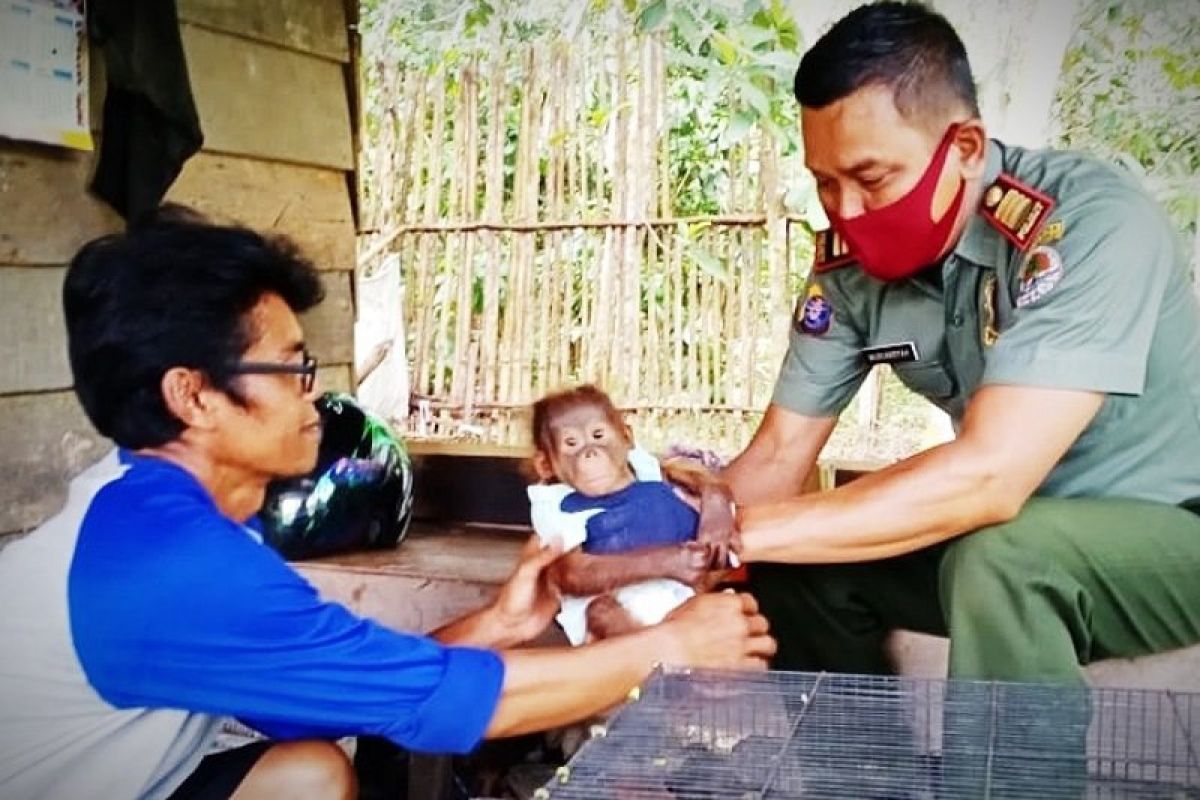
525,605
578,573
718,525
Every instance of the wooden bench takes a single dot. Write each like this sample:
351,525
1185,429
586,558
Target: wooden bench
438,573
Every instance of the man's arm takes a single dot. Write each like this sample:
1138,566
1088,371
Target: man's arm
553,686
1011,437
779,457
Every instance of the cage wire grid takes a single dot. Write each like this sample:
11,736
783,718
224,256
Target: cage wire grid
706,734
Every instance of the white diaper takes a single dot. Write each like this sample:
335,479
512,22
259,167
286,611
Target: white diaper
649,601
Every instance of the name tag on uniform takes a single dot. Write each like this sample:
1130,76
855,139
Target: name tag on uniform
898,353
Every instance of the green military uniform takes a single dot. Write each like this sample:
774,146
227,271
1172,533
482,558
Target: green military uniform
1068,276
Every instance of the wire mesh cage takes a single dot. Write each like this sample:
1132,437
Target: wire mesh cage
815,735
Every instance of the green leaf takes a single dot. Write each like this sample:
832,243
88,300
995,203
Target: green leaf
689,30
779,60
707,262
695,63
755,97
652,16
725,48
789,37
755,37
739,125
780,15
752,8
630,6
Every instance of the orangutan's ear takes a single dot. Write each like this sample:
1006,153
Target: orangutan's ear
542,467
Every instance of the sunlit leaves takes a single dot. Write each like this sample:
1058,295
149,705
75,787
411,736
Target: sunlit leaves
1130,92
652,17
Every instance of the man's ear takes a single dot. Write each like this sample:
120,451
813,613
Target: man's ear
971,141
186,395
542,467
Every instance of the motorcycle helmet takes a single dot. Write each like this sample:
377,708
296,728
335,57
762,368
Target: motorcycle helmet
358,496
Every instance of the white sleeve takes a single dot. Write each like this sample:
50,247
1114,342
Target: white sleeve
549,520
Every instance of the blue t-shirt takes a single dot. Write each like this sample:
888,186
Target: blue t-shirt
644,514
172,615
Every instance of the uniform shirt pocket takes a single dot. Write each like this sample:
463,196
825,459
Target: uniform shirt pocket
927,378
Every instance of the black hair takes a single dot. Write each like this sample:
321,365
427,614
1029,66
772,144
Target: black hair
173,291
907,47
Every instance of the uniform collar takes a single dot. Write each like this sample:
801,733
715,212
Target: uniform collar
981,244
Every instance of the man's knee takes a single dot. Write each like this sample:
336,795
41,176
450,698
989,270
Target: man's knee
307,769
978,569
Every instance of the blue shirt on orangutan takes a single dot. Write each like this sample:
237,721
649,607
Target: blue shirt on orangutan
643,514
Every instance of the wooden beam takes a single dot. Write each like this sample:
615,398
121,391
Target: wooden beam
47,213
262,101
336,378
329,328
389,236
33,336
309,26
311,205
33,344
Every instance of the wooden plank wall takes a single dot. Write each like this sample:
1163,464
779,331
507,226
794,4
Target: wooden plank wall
272,81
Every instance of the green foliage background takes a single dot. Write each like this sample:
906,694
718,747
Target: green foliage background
1130,93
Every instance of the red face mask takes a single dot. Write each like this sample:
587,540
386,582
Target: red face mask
899,240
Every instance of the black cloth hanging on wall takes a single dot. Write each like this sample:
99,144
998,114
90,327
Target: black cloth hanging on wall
150,122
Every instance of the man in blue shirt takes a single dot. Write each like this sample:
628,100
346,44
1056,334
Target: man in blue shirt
148,610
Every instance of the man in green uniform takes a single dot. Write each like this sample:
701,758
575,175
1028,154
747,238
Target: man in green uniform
1042,300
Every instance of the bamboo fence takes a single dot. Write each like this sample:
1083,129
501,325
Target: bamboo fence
540,248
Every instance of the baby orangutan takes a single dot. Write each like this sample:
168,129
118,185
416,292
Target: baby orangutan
638,546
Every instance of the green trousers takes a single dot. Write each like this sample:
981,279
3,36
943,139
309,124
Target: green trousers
1068,581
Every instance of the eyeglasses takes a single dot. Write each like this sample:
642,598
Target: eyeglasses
306,369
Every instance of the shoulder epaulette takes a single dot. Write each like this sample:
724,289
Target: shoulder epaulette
1016,210
830,251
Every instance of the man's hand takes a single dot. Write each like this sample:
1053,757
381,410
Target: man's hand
688,563
722,630
529,600
547,687
718,526
526,604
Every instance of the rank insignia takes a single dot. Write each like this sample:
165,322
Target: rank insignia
1039,275
1052,233
830,251
1016,210
990,332
814,314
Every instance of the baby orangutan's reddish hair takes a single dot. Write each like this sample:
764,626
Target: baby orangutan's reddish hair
554,405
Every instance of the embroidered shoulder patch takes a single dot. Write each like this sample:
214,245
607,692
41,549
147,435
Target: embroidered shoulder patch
1016,210
830,251
1039,275
814,313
